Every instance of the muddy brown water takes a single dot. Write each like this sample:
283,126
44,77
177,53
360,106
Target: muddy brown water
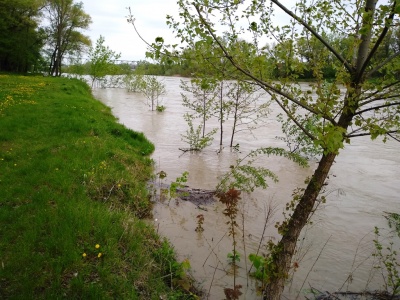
334,251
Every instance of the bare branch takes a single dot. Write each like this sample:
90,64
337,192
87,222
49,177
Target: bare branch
389,133
377,92
382,64
380,99
377,107
395,138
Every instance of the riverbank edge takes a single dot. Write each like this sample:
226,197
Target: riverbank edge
74,210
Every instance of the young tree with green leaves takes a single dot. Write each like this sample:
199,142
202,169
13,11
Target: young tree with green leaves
369,106
199,95
65,19
101,60
195,137
153,89
246,112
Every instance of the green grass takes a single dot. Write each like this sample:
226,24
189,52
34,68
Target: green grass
71,177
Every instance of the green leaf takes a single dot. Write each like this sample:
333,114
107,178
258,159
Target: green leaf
397,9
159,40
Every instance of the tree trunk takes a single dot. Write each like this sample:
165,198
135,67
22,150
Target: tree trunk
285,249
204,113
221,113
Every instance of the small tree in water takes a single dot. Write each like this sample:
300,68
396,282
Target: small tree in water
199,97
246,112
152,89
196,138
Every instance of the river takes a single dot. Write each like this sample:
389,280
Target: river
334,251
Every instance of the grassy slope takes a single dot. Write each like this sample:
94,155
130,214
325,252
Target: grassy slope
72,178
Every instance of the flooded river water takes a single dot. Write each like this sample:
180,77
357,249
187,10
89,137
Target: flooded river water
335,250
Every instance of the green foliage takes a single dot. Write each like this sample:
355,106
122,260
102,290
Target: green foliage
246,177
394,221
258,262
177,272
20,38
152,89
178,184
233,257
243,102
195,138
389,263
101,61
160,108
295,138
134,82
199,97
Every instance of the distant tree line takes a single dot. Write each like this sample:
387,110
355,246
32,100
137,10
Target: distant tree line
294,58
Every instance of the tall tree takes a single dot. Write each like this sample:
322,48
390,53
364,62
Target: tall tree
367,108
20,38
65,19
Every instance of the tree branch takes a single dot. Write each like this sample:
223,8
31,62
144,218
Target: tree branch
395,138
320,38
367,134
365,37
380,99
380,39
382,64
377,107
377,92
131,20
306,132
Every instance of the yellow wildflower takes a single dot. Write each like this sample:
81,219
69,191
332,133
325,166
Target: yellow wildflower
97,246
99,255
84,254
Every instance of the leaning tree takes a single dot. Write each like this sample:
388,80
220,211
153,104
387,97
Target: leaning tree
364,58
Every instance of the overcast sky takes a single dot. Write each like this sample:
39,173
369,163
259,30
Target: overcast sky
109,20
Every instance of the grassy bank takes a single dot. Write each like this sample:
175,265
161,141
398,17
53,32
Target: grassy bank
72,196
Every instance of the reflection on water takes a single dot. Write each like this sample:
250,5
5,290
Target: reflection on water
335,250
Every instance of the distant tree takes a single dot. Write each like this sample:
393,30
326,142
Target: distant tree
101,60
20,38
65,19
